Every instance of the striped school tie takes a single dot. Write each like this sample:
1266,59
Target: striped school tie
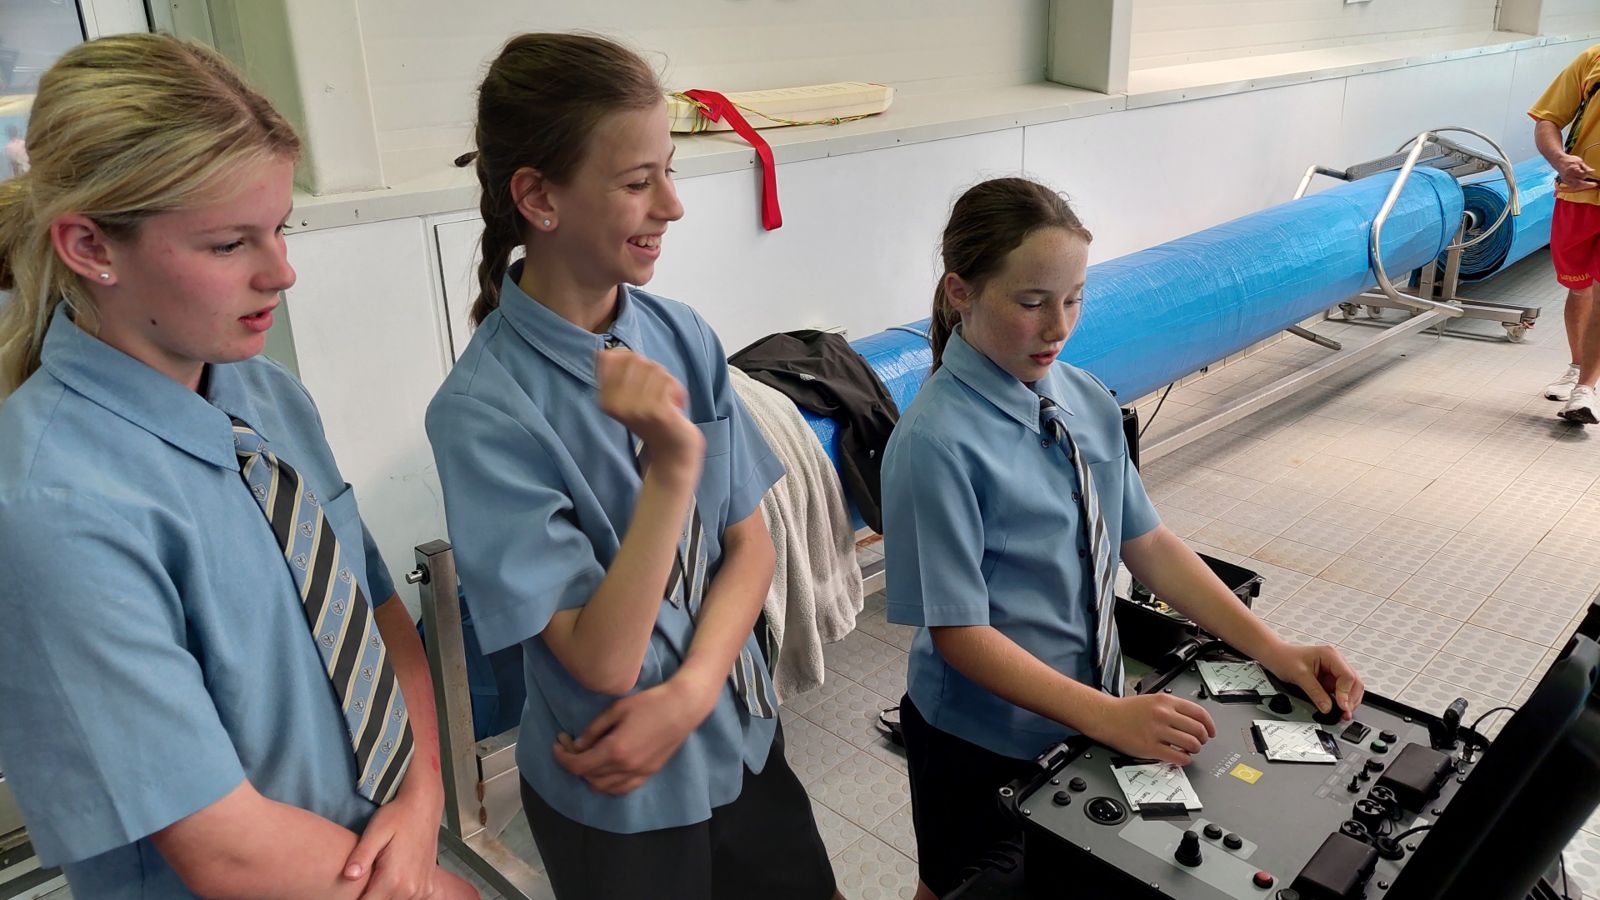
1108,647
686,588
339,616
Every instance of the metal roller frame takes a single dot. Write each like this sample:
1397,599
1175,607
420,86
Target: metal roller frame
1426,312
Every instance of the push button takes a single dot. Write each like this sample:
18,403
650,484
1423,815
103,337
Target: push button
1263,880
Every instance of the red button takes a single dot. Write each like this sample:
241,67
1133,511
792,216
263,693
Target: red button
1263,880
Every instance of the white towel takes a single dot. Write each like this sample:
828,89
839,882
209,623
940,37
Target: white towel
816,585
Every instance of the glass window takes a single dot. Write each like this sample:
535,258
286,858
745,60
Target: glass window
33,34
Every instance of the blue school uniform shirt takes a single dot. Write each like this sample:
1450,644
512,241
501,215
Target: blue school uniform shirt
155,648
539,488
981,528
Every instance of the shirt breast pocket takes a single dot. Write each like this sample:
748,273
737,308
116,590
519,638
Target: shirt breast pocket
1108,482
716,476
341,513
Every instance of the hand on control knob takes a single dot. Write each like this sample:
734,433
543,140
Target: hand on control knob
1318,671
1333,716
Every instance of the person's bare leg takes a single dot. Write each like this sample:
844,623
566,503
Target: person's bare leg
1583,334
1579,317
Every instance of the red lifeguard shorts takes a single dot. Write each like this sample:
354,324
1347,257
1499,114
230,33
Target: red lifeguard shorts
1575,243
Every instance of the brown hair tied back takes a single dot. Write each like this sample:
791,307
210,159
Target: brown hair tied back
989,221
537,107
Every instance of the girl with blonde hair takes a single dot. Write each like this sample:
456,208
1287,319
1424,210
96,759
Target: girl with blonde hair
210,686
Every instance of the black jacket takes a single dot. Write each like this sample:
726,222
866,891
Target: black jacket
820,372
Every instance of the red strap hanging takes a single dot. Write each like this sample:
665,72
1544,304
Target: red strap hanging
716,107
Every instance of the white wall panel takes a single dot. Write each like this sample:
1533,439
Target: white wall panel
1172,32
425,58
367,322
1568,16
459,240
1383,109
1148,175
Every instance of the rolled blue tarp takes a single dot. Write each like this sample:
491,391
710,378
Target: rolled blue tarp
1536,189
1157,315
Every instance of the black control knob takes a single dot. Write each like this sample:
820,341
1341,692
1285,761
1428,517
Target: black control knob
1389,737
1385,797
1233,841
1213,831
1188,852
1281,704
1078,785
1287,894
1374,765
1106,811
1333,716
1263,880
1354,786
1061,798
1352,828
1371,814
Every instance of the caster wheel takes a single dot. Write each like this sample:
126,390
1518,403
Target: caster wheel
1516,333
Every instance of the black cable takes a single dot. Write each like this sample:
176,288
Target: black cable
1156,410
1491,712
1409,832
1565,891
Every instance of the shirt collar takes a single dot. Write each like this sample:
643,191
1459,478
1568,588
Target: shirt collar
199,426
568,346
999,387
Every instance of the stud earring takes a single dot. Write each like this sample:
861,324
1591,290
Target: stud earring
547,223
105,276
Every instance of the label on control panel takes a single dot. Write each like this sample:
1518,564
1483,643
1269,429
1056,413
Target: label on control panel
1246,774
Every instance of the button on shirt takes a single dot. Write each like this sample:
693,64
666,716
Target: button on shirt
981,528
539,488
156,650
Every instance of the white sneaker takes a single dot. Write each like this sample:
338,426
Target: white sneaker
1562,390
1583,408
